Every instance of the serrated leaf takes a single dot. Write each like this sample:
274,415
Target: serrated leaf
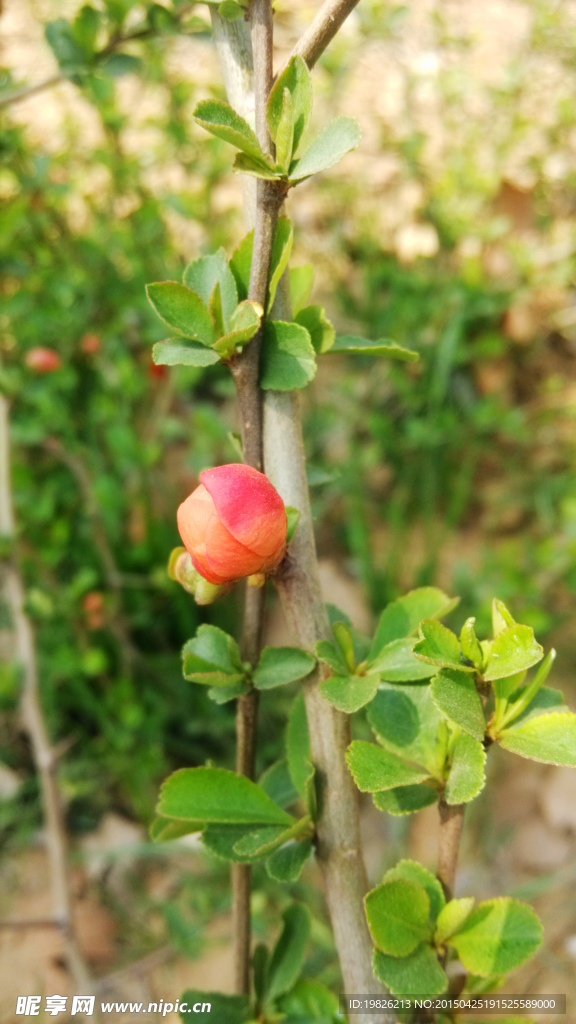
548,737
184,352
452,917
285,134
301,284
498,936
375,769
396,663
244,324
419,974
345,641
244,164
203,274
402,617
455,695
397,912
225,1009
415,872
438,646
288,360
281,665
295,78
321,331
288,955
332,656
277,782
224,694
407,722
338,137
220,796
212,657
501,617
382,347
221,840
513,650
546,699
163,830
221,120
350,693
285,865
298,746
241,263
468,642
467,772
281,249
405,799
183,310
269,838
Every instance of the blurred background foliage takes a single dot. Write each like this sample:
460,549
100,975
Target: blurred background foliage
452,229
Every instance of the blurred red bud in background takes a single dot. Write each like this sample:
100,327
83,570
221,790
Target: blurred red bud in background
42,360
90,344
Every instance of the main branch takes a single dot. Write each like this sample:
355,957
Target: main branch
451,822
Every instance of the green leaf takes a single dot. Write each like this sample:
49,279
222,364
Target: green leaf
230,10
163,830
269,838
85,28
217,795
296,80
466,778
501,617
293,516
310,1001
470,647
301,284
70,55
350,693
221,840
244,164
498,936
216,311
548,737
402,617
396,663
320,329
338,138
439,646
224,694
260,961
375,769
285,135
281,665
221,120
118,64
407,722
331,655
513,650
397,913
183,310
175,353
382,347
286,864
277,782
298,746
546,699
241,263
455,695
224,1009
281,249
244,323
452,917
343,636
212,657
288,955
405,799
203,274
288,360
415,872
419,974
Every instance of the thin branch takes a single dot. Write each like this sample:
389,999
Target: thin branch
451,822
322,29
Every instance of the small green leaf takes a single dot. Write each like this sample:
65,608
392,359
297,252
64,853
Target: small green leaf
224,694
288,955
343,636
224,1009
452,917
550,738
281,665
470,647
498,936
260,961
295,79
301,284
230,10
501,618
244,164
241,263
415,872
338,138
382,347
521,700
350,693
288,360
321,331
221,840
216,311
69,53
276,781
244,323
331,655
293,517
545,700
176,353
183,310
281,249
310,1001
466,778
286,864
221,120
217,795
456,696
397,913
407,722
396,663
164,830
285,135
513,650
118,64
203,274
402,617
261,842
298,746
375,769
405,799
438,646
419,974
212,657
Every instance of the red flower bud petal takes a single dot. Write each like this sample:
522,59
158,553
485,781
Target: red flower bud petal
226,556
193,517
249,506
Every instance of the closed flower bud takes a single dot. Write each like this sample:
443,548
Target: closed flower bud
234,524
42,360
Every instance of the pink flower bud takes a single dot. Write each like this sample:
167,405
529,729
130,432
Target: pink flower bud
234,524
42,360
